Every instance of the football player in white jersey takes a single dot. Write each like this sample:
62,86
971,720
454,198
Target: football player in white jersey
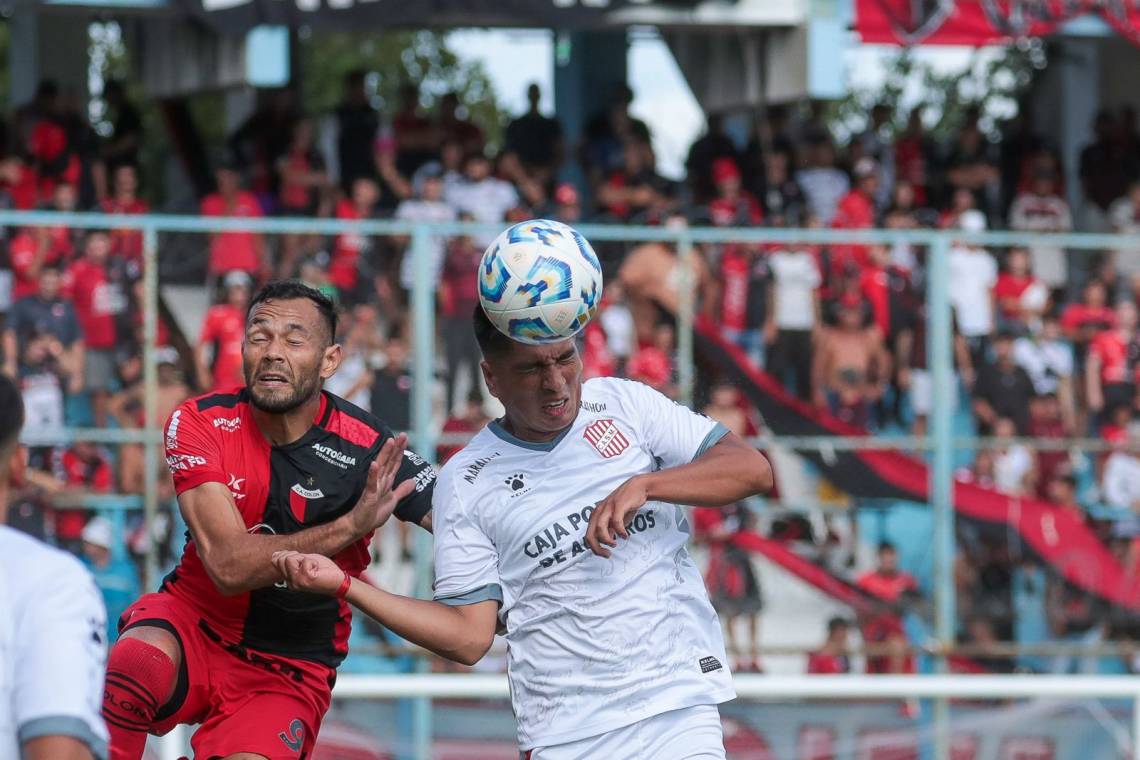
559,524
52,631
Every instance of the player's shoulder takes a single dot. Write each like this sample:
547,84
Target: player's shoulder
27,561
209,407
600,392
467,464
353,424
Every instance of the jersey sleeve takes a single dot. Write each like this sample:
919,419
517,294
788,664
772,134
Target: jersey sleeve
192,450
61,652
466,561
675,434
418,503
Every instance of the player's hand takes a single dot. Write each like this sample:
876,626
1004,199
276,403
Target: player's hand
613,514
380,498
309,572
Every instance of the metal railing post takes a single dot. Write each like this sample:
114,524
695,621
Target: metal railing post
686,307
423,383
150,402
939,353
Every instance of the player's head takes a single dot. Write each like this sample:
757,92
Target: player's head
290,345
12,412
540,386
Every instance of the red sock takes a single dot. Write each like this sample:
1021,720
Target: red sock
140,678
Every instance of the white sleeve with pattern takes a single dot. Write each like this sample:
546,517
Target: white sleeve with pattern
60,658
466,561
675,434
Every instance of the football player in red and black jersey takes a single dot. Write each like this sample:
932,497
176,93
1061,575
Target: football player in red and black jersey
276,465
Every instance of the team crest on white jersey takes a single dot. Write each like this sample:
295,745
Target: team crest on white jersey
605,437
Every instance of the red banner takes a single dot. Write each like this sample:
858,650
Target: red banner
983,22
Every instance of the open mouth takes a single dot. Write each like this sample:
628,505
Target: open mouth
272,379
556,407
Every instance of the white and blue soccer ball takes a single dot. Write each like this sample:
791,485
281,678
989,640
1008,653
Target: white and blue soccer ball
540,282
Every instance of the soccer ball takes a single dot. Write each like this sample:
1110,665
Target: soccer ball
540,282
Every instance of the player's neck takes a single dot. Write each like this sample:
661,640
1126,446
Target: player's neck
287,427
524,433
3,501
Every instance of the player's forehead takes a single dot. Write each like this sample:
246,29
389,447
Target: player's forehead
284,314
523,354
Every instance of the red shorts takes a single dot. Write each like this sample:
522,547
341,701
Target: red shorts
244,701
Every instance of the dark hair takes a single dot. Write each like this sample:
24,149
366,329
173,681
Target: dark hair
886,546
288,290
836,623
491,341
12,410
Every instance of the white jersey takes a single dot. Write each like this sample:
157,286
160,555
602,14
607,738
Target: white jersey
52,647
593,644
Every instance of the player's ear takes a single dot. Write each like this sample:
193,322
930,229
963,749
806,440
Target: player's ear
331,360
489,378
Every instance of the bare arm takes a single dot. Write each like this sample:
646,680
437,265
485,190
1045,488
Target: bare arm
56,748
726,473
1093,391
463,633
10,349
238,561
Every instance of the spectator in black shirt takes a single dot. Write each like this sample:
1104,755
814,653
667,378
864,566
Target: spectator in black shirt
712,145
392,388
536,140
357,122
126,128
46,314
1003,389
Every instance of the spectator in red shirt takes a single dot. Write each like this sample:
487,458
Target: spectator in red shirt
636,192
351,265
18,178
913,150
126,244
98,298
891,585
223,333
732,206
244,251
85,468
1113,362
1021,297
653,363
28,259
856,211
831,659
1082,321
468,421
59,242
1046,422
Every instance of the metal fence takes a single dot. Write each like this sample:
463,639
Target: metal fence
941,441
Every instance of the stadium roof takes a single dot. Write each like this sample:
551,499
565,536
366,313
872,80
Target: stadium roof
344,15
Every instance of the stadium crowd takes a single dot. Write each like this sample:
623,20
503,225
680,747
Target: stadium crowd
1045,343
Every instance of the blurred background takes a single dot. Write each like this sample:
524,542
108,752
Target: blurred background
949,403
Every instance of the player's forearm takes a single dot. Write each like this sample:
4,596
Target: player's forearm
56,747
430,624
728,472
246,564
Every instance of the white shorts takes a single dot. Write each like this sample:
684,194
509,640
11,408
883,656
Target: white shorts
922,392
691,733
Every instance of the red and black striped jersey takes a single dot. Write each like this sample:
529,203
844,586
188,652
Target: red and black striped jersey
280,490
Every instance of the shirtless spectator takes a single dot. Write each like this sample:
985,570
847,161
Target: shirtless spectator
650,276
851,365
725,407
